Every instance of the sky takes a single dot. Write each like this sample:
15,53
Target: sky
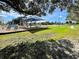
56,16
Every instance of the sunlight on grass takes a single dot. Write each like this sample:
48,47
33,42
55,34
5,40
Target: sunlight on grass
59,32
55,32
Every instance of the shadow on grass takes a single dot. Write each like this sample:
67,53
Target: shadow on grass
61,49
37,30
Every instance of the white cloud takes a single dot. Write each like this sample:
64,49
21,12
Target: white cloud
11,13
60,16
8,16
3,15
30,0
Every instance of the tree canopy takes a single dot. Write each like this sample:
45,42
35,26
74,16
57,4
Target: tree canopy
33,7
41,7
74,11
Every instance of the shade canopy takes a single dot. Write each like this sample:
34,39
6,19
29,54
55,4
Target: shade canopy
33,18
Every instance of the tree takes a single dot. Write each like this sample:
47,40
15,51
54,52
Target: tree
74,11
16,21
40,7
34,7
22,6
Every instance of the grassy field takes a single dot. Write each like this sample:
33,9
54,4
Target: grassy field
53,32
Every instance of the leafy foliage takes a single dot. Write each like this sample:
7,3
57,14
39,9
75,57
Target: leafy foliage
40,7
52,49
34,7
74,11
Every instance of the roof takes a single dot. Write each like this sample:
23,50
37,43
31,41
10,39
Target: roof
33,18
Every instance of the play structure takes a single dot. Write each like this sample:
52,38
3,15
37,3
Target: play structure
25,24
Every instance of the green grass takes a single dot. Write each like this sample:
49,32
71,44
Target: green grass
61,31
53,32
14,35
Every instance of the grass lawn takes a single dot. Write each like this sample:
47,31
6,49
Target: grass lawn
53,32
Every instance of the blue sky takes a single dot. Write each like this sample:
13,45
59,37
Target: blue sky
56,16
